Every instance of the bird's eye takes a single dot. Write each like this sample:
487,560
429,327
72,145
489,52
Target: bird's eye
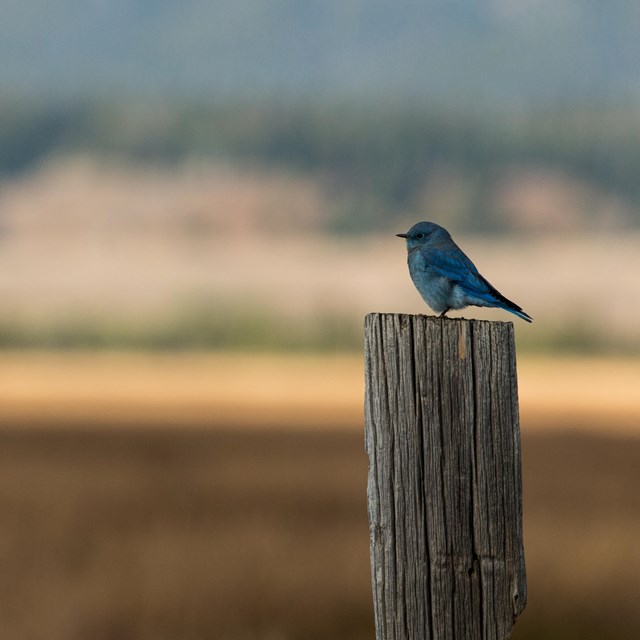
419,235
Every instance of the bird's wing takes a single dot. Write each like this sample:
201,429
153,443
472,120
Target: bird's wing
454,265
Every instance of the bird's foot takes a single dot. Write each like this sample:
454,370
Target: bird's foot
443,313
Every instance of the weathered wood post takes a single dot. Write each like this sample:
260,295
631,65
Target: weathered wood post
444,490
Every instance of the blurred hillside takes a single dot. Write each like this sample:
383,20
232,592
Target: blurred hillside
271,227
573,169
96,255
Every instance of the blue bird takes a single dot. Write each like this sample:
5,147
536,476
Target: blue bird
445,277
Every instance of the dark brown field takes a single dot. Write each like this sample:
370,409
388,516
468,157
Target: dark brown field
113,534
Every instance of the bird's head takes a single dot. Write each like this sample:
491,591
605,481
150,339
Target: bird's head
422,233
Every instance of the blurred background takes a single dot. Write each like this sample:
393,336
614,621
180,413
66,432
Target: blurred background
198,204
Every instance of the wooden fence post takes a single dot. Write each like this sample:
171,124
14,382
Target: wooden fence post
444,489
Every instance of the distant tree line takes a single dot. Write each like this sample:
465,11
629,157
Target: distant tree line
374,157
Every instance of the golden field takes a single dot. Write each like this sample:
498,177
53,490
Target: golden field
224,496
283,390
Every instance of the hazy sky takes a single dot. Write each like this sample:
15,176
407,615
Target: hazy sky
487,51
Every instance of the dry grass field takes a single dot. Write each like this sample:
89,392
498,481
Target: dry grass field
153,498
262,534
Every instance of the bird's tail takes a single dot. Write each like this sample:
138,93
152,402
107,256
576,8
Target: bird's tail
514,308
506,304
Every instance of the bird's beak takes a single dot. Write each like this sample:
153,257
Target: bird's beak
401,235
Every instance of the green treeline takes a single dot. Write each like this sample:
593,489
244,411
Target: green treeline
375,158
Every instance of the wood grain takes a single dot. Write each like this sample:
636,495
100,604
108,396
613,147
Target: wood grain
444,486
